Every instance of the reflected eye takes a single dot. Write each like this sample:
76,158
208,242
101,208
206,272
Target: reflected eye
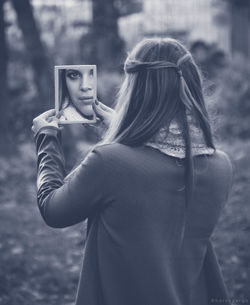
91,72
73,74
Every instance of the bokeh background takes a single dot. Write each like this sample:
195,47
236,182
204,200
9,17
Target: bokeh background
38,264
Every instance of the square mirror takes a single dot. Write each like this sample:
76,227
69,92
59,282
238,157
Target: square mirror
75,93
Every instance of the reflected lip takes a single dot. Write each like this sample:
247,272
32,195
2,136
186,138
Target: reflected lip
86,99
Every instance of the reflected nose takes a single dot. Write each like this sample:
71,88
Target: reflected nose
85,83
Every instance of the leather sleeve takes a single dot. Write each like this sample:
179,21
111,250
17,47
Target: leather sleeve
65,202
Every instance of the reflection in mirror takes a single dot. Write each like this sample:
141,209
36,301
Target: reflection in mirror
76,93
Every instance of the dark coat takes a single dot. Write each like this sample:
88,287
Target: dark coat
134,200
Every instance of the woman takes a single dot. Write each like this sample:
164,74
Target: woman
152,190
78,91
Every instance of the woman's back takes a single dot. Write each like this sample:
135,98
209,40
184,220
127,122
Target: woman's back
136,233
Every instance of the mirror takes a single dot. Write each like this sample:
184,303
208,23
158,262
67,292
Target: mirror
75,92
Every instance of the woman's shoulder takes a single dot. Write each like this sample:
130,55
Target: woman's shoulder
122,154
112,149
125,153
116,156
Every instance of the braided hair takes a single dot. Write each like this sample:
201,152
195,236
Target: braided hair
162,83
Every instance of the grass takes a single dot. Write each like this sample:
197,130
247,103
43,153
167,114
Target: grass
39,265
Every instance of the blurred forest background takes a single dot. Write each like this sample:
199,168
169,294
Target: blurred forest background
40,265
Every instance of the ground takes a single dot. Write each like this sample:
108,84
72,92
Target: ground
40,265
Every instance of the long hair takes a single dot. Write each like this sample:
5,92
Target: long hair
63,89
150,98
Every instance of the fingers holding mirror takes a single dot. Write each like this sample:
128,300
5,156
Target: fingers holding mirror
104,112
46,119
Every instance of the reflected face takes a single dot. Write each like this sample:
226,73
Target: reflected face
81,87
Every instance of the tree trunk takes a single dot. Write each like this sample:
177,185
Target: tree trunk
4,140
240,34
39,61
103,44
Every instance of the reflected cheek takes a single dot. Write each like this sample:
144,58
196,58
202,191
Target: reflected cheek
72,89
91,83
88,82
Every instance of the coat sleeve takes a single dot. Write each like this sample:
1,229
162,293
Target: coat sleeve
65,202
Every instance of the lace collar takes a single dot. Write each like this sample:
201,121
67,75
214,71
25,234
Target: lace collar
171,140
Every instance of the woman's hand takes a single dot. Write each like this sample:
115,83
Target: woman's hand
46,119
104,112
104,116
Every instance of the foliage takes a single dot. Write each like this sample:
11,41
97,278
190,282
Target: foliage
16,170
234,98
108,86
209,58
228,87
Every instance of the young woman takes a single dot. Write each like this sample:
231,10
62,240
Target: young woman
152,190
77,93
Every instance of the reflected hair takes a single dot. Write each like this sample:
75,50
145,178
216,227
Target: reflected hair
64,94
